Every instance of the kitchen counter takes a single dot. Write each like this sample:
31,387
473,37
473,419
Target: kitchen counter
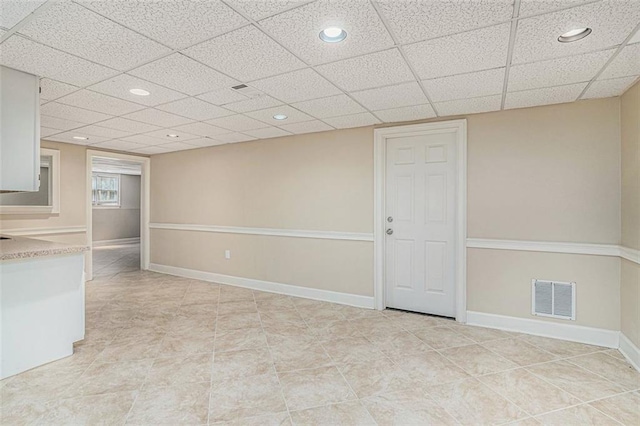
24,248
42,303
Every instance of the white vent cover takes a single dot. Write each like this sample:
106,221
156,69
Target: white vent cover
248,91
553,299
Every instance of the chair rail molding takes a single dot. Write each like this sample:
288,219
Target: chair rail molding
276,232
556,247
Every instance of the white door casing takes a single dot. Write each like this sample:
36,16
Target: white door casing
420,182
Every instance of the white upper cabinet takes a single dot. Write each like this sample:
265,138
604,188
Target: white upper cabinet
19,131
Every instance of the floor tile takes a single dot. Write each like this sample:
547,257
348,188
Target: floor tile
399,344
560,348
235,321
245,397
431,368
442,337
376,377
235,340
296,356
315,387
527,391
519,351
171,405
579,382
624,408
471,402
102,378
190,343
109,408
409,407
169,371
616,370
246,363
582,415
356,350
475,360
346,413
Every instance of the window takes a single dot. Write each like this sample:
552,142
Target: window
106,189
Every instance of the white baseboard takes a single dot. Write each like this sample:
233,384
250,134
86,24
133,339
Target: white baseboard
271,287
630,351
574,333
118,242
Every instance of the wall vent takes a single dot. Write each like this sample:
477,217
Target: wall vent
553,299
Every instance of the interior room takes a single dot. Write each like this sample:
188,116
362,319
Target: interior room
320,212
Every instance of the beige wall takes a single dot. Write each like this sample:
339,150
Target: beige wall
630,272
548,173
72,197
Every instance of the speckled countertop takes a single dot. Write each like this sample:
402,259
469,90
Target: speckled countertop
24,248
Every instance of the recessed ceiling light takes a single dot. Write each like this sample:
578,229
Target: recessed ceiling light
139,92
574,35
171,135
333,35
81,138
280,117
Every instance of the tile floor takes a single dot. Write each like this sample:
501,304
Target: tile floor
111,260
168,350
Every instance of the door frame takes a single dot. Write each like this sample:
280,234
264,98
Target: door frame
145,205
379,199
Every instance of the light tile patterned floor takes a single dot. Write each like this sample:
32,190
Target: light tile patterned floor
111,260
168,350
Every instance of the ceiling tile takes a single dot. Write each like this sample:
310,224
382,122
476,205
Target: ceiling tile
118,145
52,89
416,20
35,58
120,85
307,127
68,138
176,23
299,30
76,30
183,74
144,140
354,120
545,96
95,101
177,146
293,115
163,134
556,72
55,109
46,131
151,150
297,86
609,88
331,106
461,53
14,11
635,38
237,123
158,118
103,132
130,126
261,9
202,142
627,63
268,132
222,96
611,21
535,7
469,106
472,85
245,54
415,112
253,104
234,137
59,123
202,129
392,96
195,109
364,72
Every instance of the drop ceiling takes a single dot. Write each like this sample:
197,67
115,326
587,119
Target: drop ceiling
402,60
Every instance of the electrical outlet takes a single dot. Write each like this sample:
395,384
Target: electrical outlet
227,254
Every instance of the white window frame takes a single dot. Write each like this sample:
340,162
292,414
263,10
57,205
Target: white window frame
98,205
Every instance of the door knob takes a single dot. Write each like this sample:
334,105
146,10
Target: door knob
389,231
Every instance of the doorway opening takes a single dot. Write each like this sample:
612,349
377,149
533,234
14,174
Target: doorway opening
117,213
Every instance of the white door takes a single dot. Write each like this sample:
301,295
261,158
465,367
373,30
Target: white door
420,218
